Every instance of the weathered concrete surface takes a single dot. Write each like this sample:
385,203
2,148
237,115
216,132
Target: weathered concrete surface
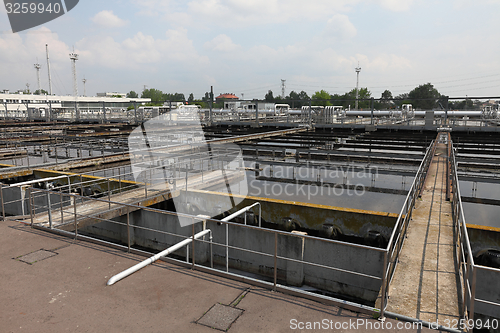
425,281
68,292
90,211
349,220
339,255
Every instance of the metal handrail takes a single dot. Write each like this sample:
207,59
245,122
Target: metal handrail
396,240
465,257
77,216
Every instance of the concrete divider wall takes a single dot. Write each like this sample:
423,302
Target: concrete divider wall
350,221
16,201
360,259
149,238
344,256
486,280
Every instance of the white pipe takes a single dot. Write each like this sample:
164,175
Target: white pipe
241,211
41,180
152,259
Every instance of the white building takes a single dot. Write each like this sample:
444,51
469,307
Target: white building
27,106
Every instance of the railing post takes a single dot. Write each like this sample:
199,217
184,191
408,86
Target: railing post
109,195
81,188
211,252
192,243
1,198
128,228
275,260
50,210
30,193
61,204
76,224
227,248
384,287
473,292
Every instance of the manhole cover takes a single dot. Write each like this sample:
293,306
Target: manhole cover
33,257
220,317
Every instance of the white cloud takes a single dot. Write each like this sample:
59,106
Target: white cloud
107,19
142,49
396,5
222,43
152,7
259,12
340,27
18,53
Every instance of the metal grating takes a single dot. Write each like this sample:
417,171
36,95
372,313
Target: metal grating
220,317
36,256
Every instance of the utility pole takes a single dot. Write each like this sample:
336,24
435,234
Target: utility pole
48,68
358,69
74,57
84,88
283,88
37,67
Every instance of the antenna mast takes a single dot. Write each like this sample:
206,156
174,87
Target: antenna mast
48,68
358,69
74,57
84,88
37,67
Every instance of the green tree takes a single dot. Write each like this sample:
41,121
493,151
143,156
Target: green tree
43,92
401,99
321,98
132,94
191,98
155,95
269,97
386,100
349,99
303,96
424,97
177,97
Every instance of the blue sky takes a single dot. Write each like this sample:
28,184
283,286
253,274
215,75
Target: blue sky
247,47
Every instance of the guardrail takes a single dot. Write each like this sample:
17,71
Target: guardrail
68,207
469,271
269,251
149,175
398,236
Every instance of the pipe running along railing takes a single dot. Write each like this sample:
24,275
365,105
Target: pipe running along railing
154,258
390,253
464,256
76,217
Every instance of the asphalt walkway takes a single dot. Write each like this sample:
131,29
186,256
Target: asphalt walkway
425,282
67,292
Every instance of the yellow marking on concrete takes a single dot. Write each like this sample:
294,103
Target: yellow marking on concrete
87,176
482,227
304,204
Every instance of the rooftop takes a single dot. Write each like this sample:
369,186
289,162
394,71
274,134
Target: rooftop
67,292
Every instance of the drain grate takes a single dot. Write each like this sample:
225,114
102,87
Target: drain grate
36,256
220,317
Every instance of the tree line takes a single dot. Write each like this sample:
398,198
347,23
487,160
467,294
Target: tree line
425,97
